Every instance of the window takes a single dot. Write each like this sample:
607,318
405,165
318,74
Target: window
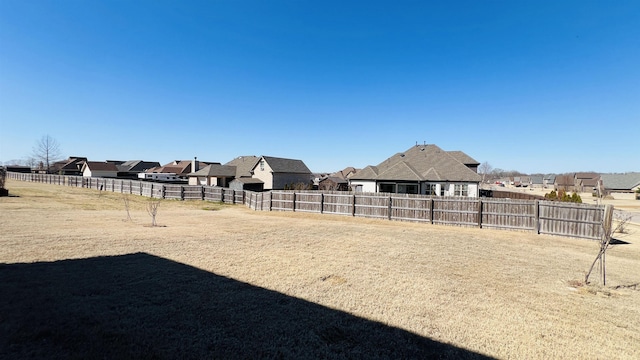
407,188
387,188
261,165
461,190
431,189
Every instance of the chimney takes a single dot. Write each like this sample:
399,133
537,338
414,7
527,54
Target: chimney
195,164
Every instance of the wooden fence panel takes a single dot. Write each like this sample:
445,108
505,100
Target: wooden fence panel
456,211
372,206
213,193
173,191
282,201
136,187
146,189
266,201
238,197
228,195
411,208
340,204
157,191
309,202
571,219
192,192
509,214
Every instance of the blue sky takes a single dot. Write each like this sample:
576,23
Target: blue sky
534,86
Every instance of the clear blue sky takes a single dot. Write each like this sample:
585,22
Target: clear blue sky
534,86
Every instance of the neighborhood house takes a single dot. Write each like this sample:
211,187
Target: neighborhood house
422,169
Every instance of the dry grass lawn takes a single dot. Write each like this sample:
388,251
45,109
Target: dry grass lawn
78,281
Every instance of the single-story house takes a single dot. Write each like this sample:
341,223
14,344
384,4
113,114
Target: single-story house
182,168
130,169
213,175
537,181
586,181
71,166
421,169
549,180
99,169
333,183
278,173
565,182
621,186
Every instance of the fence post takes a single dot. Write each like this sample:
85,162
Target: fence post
390,201
536,212
321,203
480,213
202,192
294,201
431,215
181,192
163,191
353,205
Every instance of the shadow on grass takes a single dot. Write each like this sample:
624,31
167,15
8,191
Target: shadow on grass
146,307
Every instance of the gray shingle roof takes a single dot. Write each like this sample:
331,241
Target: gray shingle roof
626,181
216,170
282,165
463,158
421,163
244,165
137,165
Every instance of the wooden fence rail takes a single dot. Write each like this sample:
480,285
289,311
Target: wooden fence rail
539,216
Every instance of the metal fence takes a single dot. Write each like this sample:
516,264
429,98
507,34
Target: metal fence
539,216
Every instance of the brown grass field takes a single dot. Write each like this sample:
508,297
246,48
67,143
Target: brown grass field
219,281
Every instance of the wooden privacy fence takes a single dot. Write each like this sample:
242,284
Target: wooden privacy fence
542,217
539,216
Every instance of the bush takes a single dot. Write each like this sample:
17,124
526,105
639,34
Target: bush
562,195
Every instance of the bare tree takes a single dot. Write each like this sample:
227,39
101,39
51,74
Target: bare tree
152,209
125,198
621,220
47,151
485,169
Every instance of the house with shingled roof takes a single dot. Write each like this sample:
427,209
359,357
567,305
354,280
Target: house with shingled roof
99,169
213,175
421,169
621,186
278,173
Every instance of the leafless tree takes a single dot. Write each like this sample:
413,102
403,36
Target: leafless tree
485,169
611,224
47,151
125,198
152,209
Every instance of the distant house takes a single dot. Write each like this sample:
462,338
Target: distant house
621,186
333,183
548,180
182,168
71,166
565,183
130,169
213,175
99,169
243,179
421,169
278,173
586,181
537,181
17,168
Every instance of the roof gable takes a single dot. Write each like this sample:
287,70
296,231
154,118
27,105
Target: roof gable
244,165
